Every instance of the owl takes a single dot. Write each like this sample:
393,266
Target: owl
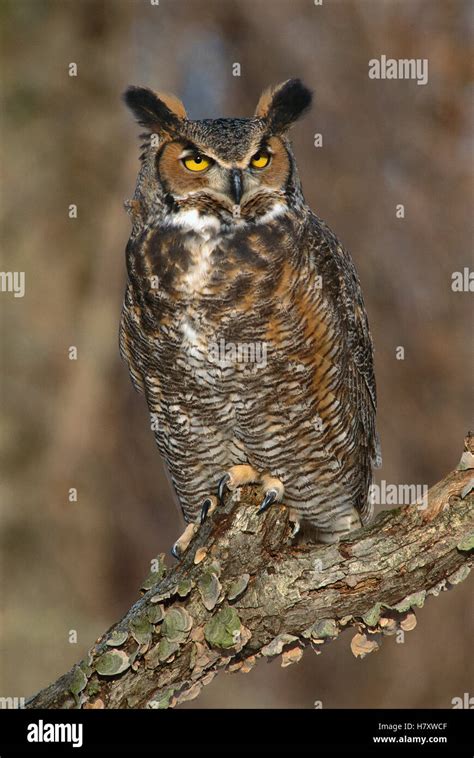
243,321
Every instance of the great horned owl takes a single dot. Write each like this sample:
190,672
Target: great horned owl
243,321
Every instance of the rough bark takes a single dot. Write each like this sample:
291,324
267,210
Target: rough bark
244,591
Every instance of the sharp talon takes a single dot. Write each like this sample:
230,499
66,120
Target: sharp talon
182,544
269,499
221,487
295,529
205,509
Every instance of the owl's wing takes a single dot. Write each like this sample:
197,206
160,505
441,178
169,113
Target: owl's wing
342,288
129,338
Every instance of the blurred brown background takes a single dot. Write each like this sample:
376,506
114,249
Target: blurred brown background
77,566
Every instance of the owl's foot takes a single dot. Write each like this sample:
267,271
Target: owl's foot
235,477
182,544
209,505
295,520
273,490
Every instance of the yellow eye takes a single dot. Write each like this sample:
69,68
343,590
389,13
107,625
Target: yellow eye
197,162
260,160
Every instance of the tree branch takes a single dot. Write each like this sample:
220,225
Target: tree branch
243,591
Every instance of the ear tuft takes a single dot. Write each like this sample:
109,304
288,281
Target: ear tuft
282,105
173,103
155,111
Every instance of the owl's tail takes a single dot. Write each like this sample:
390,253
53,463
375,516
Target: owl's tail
333,532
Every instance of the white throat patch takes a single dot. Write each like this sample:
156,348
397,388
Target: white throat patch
194,221
208,225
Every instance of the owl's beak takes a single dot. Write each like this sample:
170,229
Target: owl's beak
236,189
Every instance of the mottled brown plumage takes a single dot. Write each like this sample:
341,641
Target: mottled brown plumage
243,321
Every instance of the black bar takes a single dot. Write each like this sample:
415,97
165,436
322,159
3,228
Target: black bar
223,732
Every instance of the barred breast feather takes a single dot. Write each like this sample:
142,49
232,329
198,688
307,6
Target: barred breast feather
307,412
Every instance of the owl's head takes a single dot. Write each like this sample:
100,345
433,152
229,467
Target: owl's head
229,168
